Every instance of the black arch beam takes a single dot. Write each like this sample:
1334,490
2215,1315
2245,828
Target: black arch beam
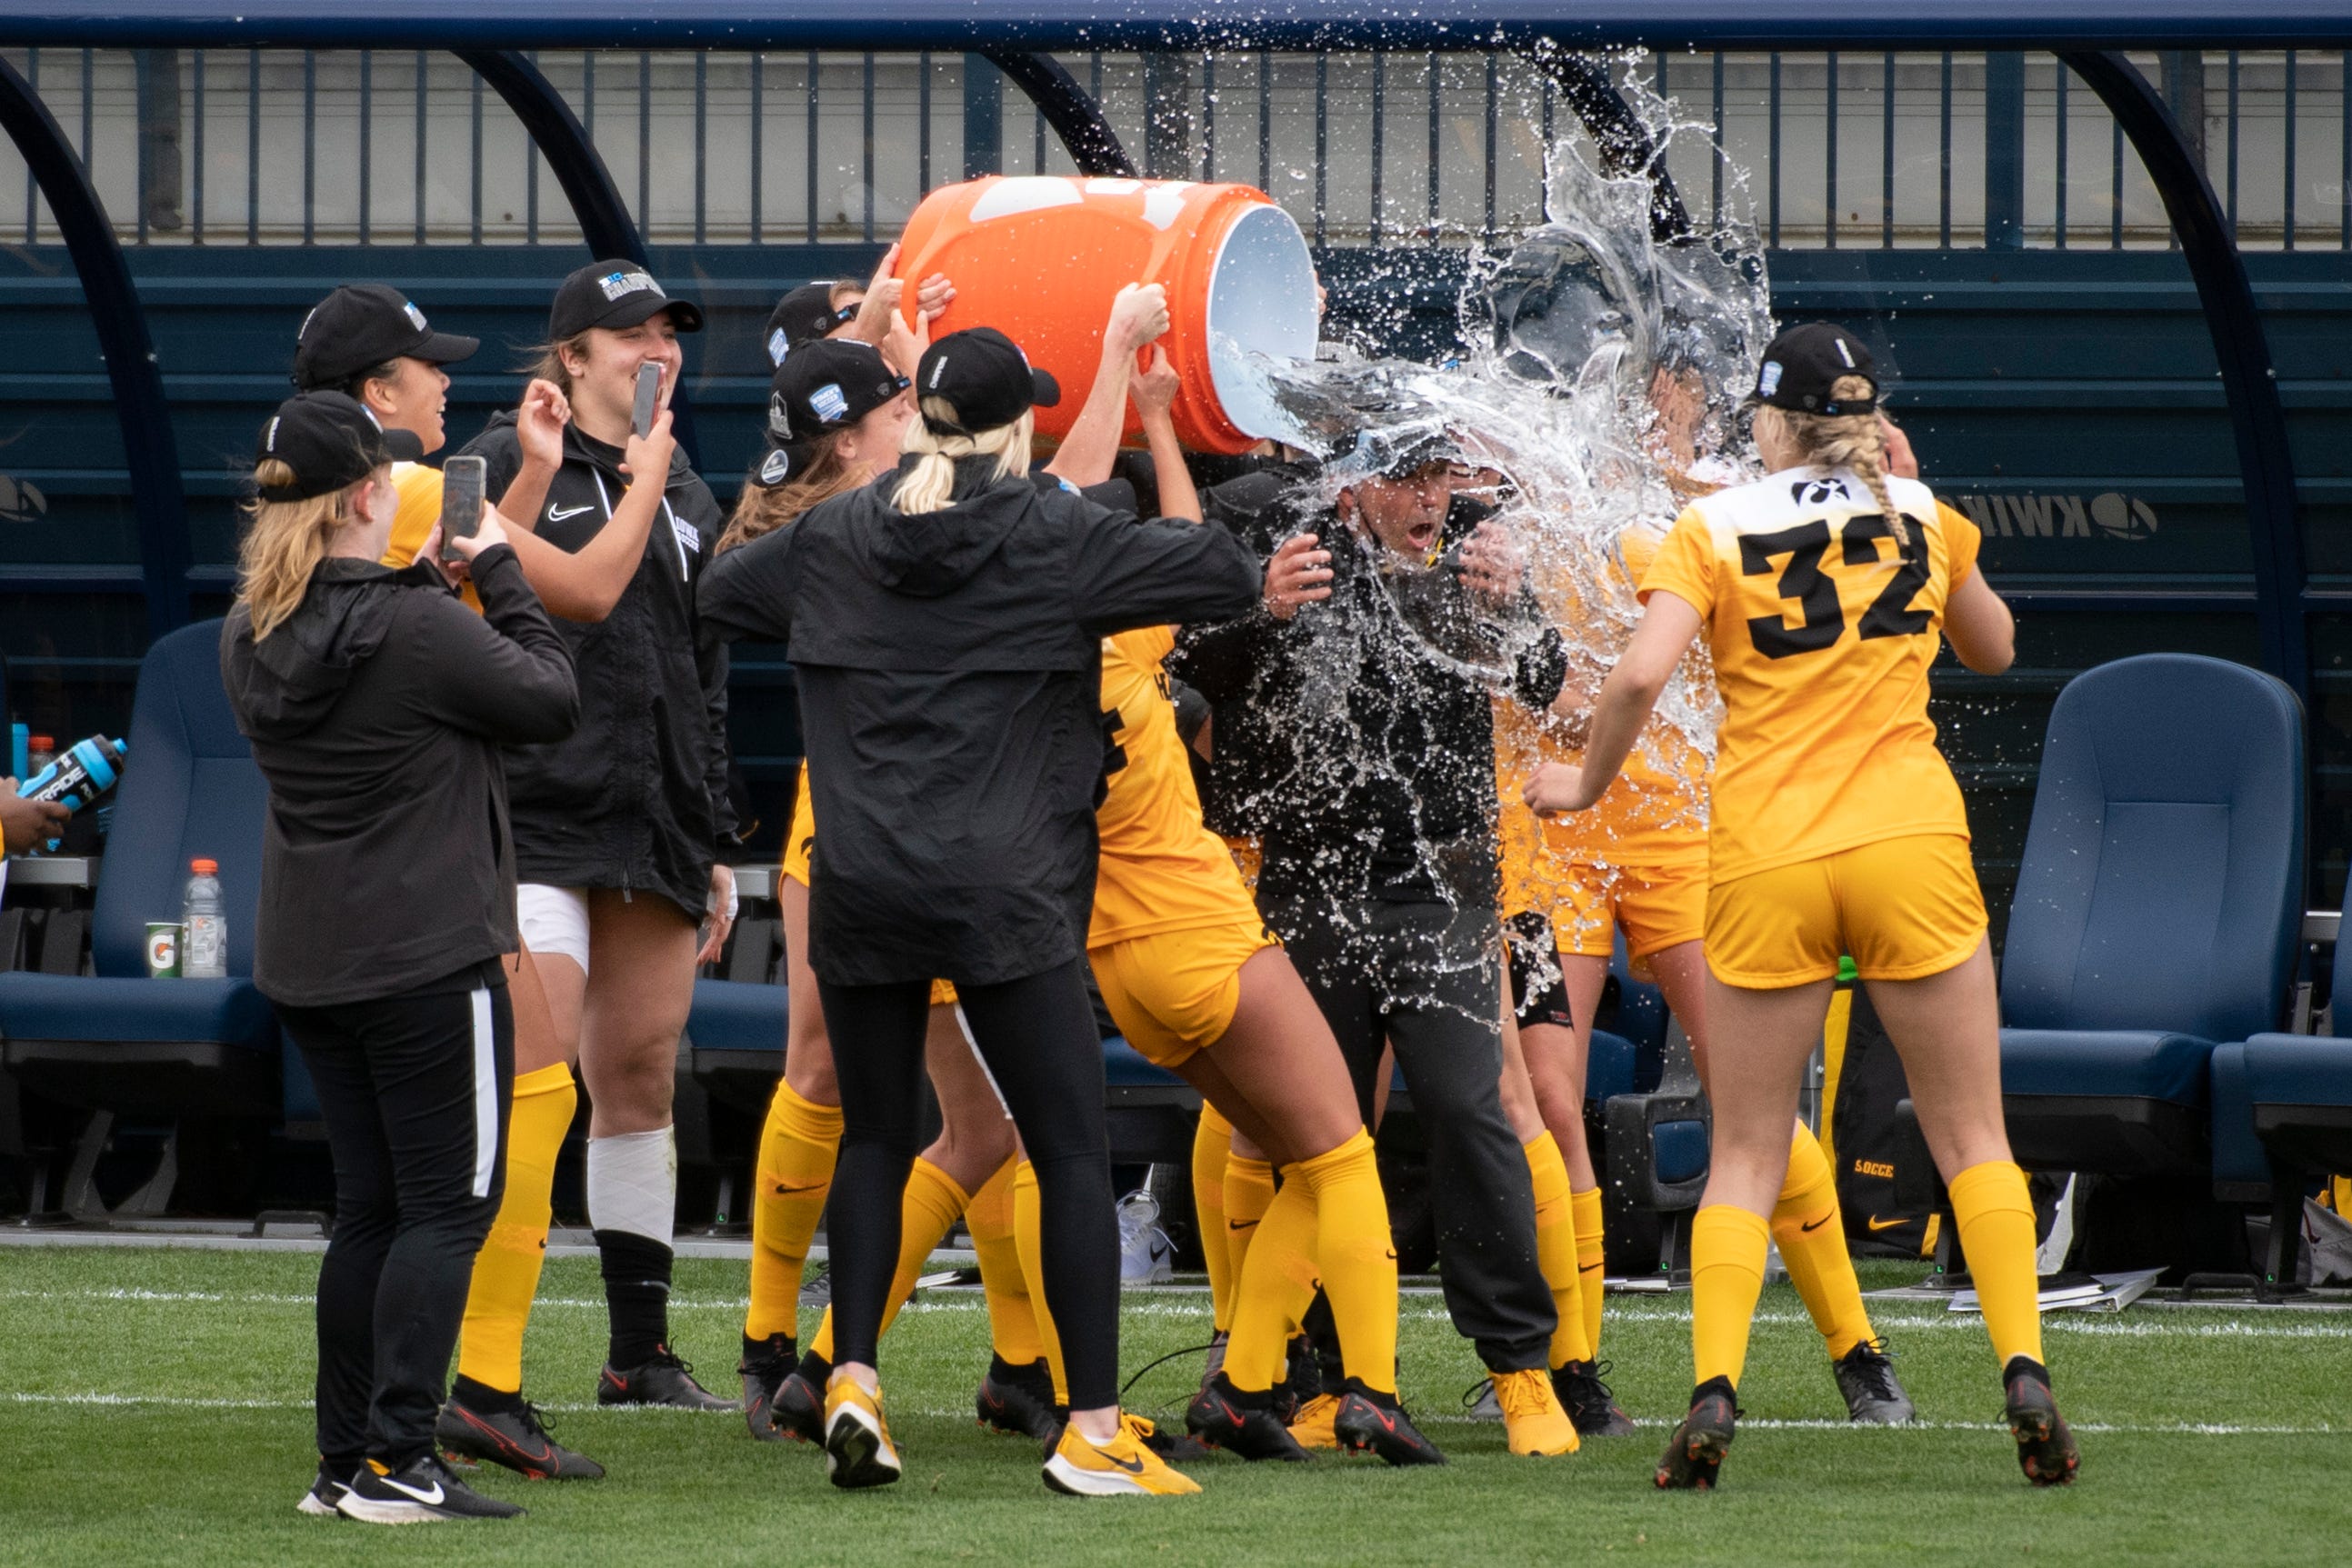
1069,109
1625,144
149,450
2249,380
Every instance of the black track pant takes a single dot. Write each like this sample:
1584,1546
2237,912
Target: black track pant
415,1089
1426,980
1038,1037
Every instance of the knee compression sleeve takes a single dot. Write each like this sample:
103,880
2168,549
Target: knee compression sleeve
926,1214
1555,1249
631,1206
1211,1140
1011,1319
1995,1214
797,1149
1727,1248
506,1270
1589,1259
1812,1234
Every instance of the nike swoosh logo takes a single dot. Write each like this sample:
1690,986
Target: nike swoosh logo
1240,1224
1816,1225
1132,1466
556,514
784,1191
546,1450
1878,1224
430,1499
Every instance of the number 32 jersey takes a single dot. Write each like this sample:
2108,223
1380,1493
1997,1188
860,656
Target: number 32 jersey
1822,636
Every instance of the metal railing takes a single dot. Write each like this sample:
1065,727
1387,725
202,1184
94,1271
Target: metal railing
1365,147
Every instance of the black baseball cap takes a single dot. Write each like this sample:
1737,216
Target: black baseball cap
986,376
614,294
1802,363
329,441
823,386
804,315
363,325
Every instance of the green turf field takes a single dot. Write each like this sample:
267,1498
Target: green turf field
154,1410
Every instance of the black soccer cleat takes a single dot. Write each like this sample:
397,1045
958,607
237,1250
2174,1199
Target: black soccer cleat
516,1439
1695,1451
422,1492
663,1380
1374,1423
1018,1400
325,1493
2046,1449
765,1366
1591,1407
1224,1417
797,1411
1874,1396
1302,1379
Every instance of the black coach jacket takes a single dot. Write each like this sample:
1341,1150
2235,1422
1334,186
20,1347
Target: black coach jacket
951,678
636,798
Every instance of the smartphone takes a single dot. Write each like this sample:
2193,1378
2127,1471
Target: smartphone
641,418
463,481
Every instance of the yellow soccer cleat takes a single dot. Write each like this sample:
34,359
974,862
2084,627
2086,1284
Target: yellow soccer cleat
857,1448
1532,1413
1123,1467
1311,1427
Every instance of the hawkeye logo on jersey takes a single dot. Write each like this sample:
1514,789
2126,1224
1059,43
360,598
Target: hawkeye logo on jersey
1820,492
621,285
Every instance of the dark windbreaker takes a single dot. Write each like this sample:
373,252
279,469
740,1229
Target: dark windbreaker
376,713
636,797
950,671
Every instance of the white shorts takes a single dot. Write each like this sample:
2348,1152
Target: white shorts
554,920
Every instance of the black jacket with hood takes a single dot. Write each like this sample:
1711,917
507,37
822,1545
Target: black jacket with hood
377,712
950,679
636,797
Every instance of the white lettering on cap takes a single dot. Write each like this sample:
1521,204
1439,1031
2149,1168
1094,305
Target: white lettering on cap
939,369
621,285
270,437
1843,353
1768,380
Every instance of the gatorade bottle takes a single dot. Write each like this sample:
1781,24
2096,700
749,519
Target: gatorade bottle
40,750
87,770
203,916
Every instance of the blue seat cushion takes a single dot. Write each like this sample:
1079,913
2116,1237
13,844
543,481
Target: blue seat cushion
2298,1070
2105,1064
1610,1067
1681,1150
1125,1068
98,1008
734,1015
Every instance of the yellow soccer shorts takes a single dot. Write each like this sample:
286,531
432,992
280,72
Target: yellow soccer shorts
1904,908
1174,992
799,841
1657,907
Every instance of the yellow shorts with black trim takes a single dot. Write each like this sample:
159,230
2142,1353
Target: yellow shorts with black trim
1173,992
1657,907
1904,908
799,841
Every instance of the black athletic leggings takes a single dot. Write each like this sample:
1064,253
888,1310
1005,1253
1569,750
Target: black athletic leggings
415,1089
1038,1037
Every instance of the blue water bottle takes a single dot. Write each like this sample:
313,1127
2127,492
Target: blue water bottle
86,770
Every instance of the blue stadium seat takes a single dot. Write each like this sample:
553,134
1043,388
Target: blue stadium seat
2157,908
735,1041
116,1040
2293,1101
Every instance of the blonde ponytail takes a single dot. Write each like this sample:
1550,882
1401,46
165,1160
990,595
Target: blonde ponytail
284,543
928,484
1851,441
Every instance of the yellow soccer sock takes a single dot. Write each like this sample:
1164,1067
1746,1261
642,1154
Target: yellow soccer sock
1812,1234
1555,1249
928,1211
1355,1253
797,1148
1249,1192
1995,1214
506,1270
1028,1228
1012,1321
1727,1248
1211,1140
1277,1284
1590,1267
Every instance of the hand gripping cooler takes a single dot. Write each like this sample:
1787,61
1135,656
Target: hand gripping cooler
1040,258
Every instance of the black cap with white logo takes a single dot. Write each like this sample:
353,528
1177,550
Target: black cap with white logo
987,378
614,294
1802,363
826,385
329,441
804,315
363,325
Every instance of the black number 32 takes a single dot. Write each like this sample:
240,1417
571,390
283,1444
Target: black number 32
1889,615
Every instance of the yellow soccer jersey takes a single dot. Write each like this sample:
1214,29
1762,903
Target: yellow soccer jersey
1160,870
419,489
1821,640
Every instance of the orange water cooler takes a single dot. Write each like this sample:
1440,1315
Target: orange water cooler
1040,258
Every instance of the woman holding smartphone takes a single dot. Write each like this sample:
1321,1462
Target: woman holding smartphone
374,701
616,829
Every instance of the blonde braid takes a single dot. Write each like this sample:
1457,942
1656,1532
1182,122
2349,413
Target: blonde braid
1855,442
